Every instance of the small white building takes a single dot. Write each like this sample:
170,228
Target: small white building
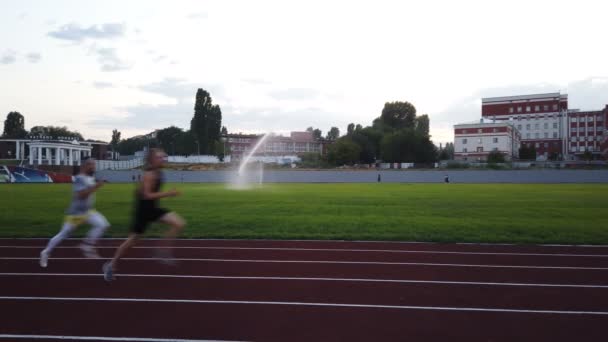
475,141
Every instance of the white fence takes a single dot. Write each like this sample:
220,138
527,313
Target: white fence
119,164
204,159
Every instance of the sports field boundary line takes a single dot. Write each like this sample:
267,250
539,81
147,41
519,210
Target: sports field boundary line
337,241
310,304
330,262
103,338
396,251
271,278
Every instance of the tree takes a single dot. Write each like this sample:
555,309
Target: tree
587,155
527,152
333,134
350,129
398,115
496,157
207,122
167,138
224,130
422,125
115,139
343,152
358,127
14,126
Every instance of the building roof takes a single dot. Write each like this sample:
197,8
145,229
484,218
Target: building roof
552,96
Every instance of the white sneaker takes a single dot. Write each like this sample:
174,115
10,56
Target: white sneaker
89,251
44,258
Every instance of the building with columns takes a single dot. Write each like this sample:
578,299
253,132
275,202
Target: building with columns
48,151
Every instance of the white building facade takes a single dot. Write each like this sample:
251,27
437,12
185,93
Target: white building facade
475,141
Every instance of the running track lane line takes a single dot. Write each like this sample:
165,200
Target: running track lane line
361,306
334,262
103,338
334,250
334,241
360,280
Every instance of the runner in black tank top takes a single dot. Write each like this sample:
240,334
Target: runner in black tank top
147,210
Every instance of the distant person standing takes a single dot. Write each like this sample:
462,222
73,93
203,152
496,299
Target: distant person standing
147,210
446,178
79,212
379,178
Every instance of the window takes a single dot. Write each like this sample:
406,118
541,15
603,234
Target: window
581,138
582,148
480,149
546,125
546,107
464,150
554,107
537,126
590,119
598,128
573,139
573,119
528,126
554,135
537,145
599,138
511,110
546,145
536,108
479,141
555,125
537,135
464,141
546,135
519,127
528,108
600,118
574,129
495,140
573,149
527,135
590,138
519,109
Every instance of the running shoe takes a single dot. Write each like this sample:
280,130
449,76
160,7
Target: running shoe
108,272
44,258
89,251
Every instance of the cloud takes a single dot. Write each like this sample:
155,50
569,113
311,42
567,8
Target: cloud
33,57
295,94
109,60
103,85
8,57
75,33
159,59
256,81
198,15
22,15
179,89
149,117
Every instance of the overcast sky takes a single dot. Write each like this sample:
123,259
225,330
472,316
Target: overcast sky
286,65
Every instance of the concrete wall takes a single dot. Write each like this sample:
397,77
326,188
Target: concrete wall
460,176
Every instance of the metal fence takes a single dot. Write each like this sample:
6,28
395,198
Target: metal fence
119,164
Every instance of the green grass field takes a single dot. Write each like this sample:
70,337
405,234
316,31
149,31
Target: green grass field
572,214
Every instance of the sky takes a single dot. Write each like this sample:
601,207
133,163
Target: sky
286,65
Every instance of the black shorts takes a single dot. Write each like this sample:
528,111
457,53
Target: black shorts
143,218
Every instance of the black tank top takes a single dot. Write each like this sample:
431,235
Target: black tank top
150,203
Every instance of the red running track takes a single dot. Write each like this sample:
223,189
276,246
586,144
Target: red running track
307,291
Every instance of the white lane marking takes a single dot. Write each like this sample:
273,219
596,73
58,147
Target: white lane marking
360,280
335,250
264,261
101,338
340,305
345,242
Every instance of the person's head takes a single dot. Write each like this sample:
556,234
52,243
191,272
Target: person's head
155,158
88,166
